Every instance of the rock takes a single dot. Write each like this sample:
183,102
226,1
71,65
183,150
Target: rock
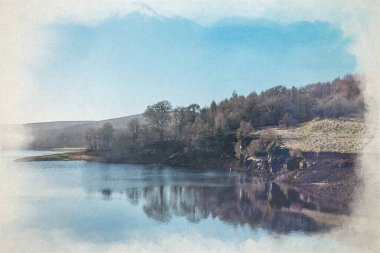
292,164
303,164
254,159
275,165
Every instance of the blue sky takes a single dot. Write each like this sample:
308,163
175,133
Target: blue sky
119,66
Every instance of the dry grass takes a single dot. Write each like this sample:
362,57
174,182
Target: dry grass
327,135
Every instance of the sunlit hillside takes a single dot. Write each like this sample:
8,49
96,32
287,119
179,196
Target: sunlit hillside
324,135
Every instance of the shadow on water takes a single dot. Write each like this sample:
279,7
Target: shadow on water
233,198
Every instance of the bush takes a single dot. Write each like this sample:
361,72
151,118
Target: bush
264,145
274,147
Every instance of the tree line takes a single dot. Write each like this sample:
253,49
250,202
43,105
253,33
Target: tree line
192,131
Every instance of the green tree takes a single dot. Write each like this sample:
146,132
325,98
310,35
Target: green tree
213,107
234,94
194,110
275,103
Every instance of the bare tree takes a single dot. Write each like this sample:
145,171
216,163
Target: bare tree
244,130
287,120
134,129
91,138
106,134
181,117
159,117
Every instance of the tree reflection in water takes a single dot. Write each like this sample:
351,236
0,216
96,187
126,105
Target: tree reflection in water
235,199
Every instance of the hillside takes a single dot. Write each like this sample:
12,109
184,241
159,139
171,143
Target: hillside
324,135
59,134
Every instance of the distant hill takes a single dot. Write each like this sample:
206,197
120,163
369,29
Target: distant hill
59,134
54,125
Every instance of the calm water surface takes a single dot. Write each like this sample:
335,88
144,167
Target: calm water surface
97,202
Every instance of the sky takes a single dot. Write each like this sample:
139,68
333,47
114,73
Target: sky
121,64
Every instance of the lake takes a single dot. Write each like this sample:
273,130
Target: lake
88,206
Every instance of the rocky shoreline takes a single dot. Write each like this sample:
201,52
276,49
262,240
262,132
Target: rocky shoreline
325,175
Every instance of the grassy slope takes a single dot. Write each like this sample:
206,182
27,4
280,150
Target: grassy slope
327,135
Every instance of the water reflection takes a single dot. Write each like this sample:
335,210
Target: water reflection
232,198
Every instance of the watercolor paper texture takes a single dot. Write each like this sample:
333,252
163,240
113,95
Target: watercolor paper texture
78,63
